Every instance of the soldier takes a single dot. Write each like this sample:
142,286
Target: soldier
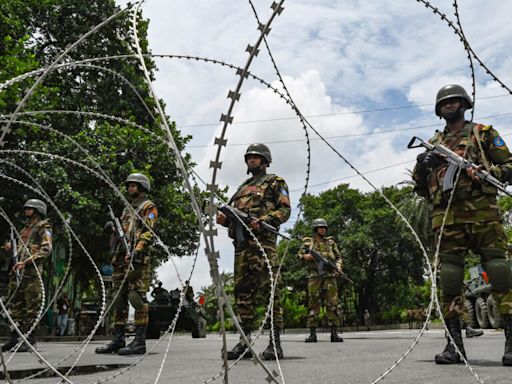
321,286
473,222
34,247
160,294
189,292
137,283
265,197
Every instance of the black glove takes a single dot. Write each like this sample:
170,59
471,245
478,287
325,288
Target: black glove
429,159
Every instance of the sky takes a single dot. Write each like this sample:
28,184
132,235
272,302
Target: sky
365,72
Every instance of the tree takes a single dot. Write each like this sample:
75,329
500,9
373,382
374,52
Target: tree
382,258
41,30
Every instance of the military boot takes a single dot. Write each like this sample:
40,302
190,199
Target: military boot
268,354
334,336
312,336
117,342
25,347
450,355
239,349
471,332
138,345
11,341
507,326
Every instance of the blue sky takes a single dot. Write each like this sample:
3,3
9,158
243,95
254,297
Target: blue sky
338,58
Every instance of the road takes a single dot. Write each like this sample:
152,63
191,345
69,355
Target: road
362,358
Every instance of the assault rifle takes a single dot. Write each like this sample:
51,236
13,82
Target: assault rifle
236,215
120,235
14,249
324,263
454,163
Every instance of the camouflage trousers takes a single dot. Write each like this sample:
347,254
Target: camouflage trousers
457,241
320,289
26,302
252,283
132,292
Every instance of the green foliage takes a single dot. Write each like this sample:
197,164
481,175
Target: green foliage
32,34
381,257
211,305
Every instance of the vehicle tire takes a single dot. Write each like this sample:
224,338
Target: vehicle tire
473,323
199,330
492,311
481,313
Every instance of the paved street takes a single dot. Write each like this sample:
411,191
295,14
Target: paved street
360,359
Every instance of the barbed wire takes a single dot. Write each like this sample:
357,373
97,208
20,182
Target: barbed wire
227,119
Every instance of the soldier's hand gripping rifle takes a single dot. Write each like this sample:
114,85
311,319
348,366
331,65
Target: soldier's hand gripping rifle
120,235
455,162
14,248
324,263
236,215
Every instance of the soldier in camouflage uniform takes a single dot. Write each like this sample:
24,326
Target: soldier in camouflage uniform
322,287
34,247
473,221
137,283
265,197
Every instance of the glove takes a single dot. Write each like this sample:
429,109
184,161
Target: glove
430,160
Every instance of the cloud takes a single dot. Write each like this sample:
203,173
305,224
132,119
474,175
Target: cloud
337,57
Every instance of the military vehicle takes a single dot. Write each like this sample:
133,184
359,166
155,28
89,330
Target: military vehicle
191,318
482,308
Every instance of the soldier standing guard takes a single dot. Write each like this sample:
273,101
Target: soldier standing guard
473,221
264,197
137,283
36,238
322,286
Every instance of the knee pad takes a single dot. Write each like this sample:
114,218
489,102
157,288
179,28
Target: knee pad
136,300
497,268
451,274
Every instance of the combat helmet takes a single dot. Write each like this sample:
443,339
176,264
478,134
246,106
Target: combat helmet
260,150
452,91
38,205
140,179
319,223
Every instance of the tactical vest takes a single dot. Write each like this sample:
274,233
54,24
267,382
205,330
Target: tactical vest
32,238
254,196
465,142
324,247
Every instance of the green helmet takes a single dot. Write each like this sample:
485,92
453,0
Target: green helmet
37,204
452,91
259,149
319,223
140,179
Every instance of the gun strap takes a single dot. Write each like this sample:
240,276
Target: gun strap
482,153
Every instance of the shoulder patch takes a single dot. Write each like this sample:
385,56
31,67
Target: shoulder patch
151,216
498,142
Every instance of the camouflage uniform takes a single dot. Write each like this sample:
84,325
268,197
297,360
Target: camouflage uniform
473,221
26,302
138,280
266,198
323,286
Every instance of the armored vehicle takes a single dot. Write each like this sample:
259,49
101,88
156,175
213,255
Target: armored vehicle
482,308
191,318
